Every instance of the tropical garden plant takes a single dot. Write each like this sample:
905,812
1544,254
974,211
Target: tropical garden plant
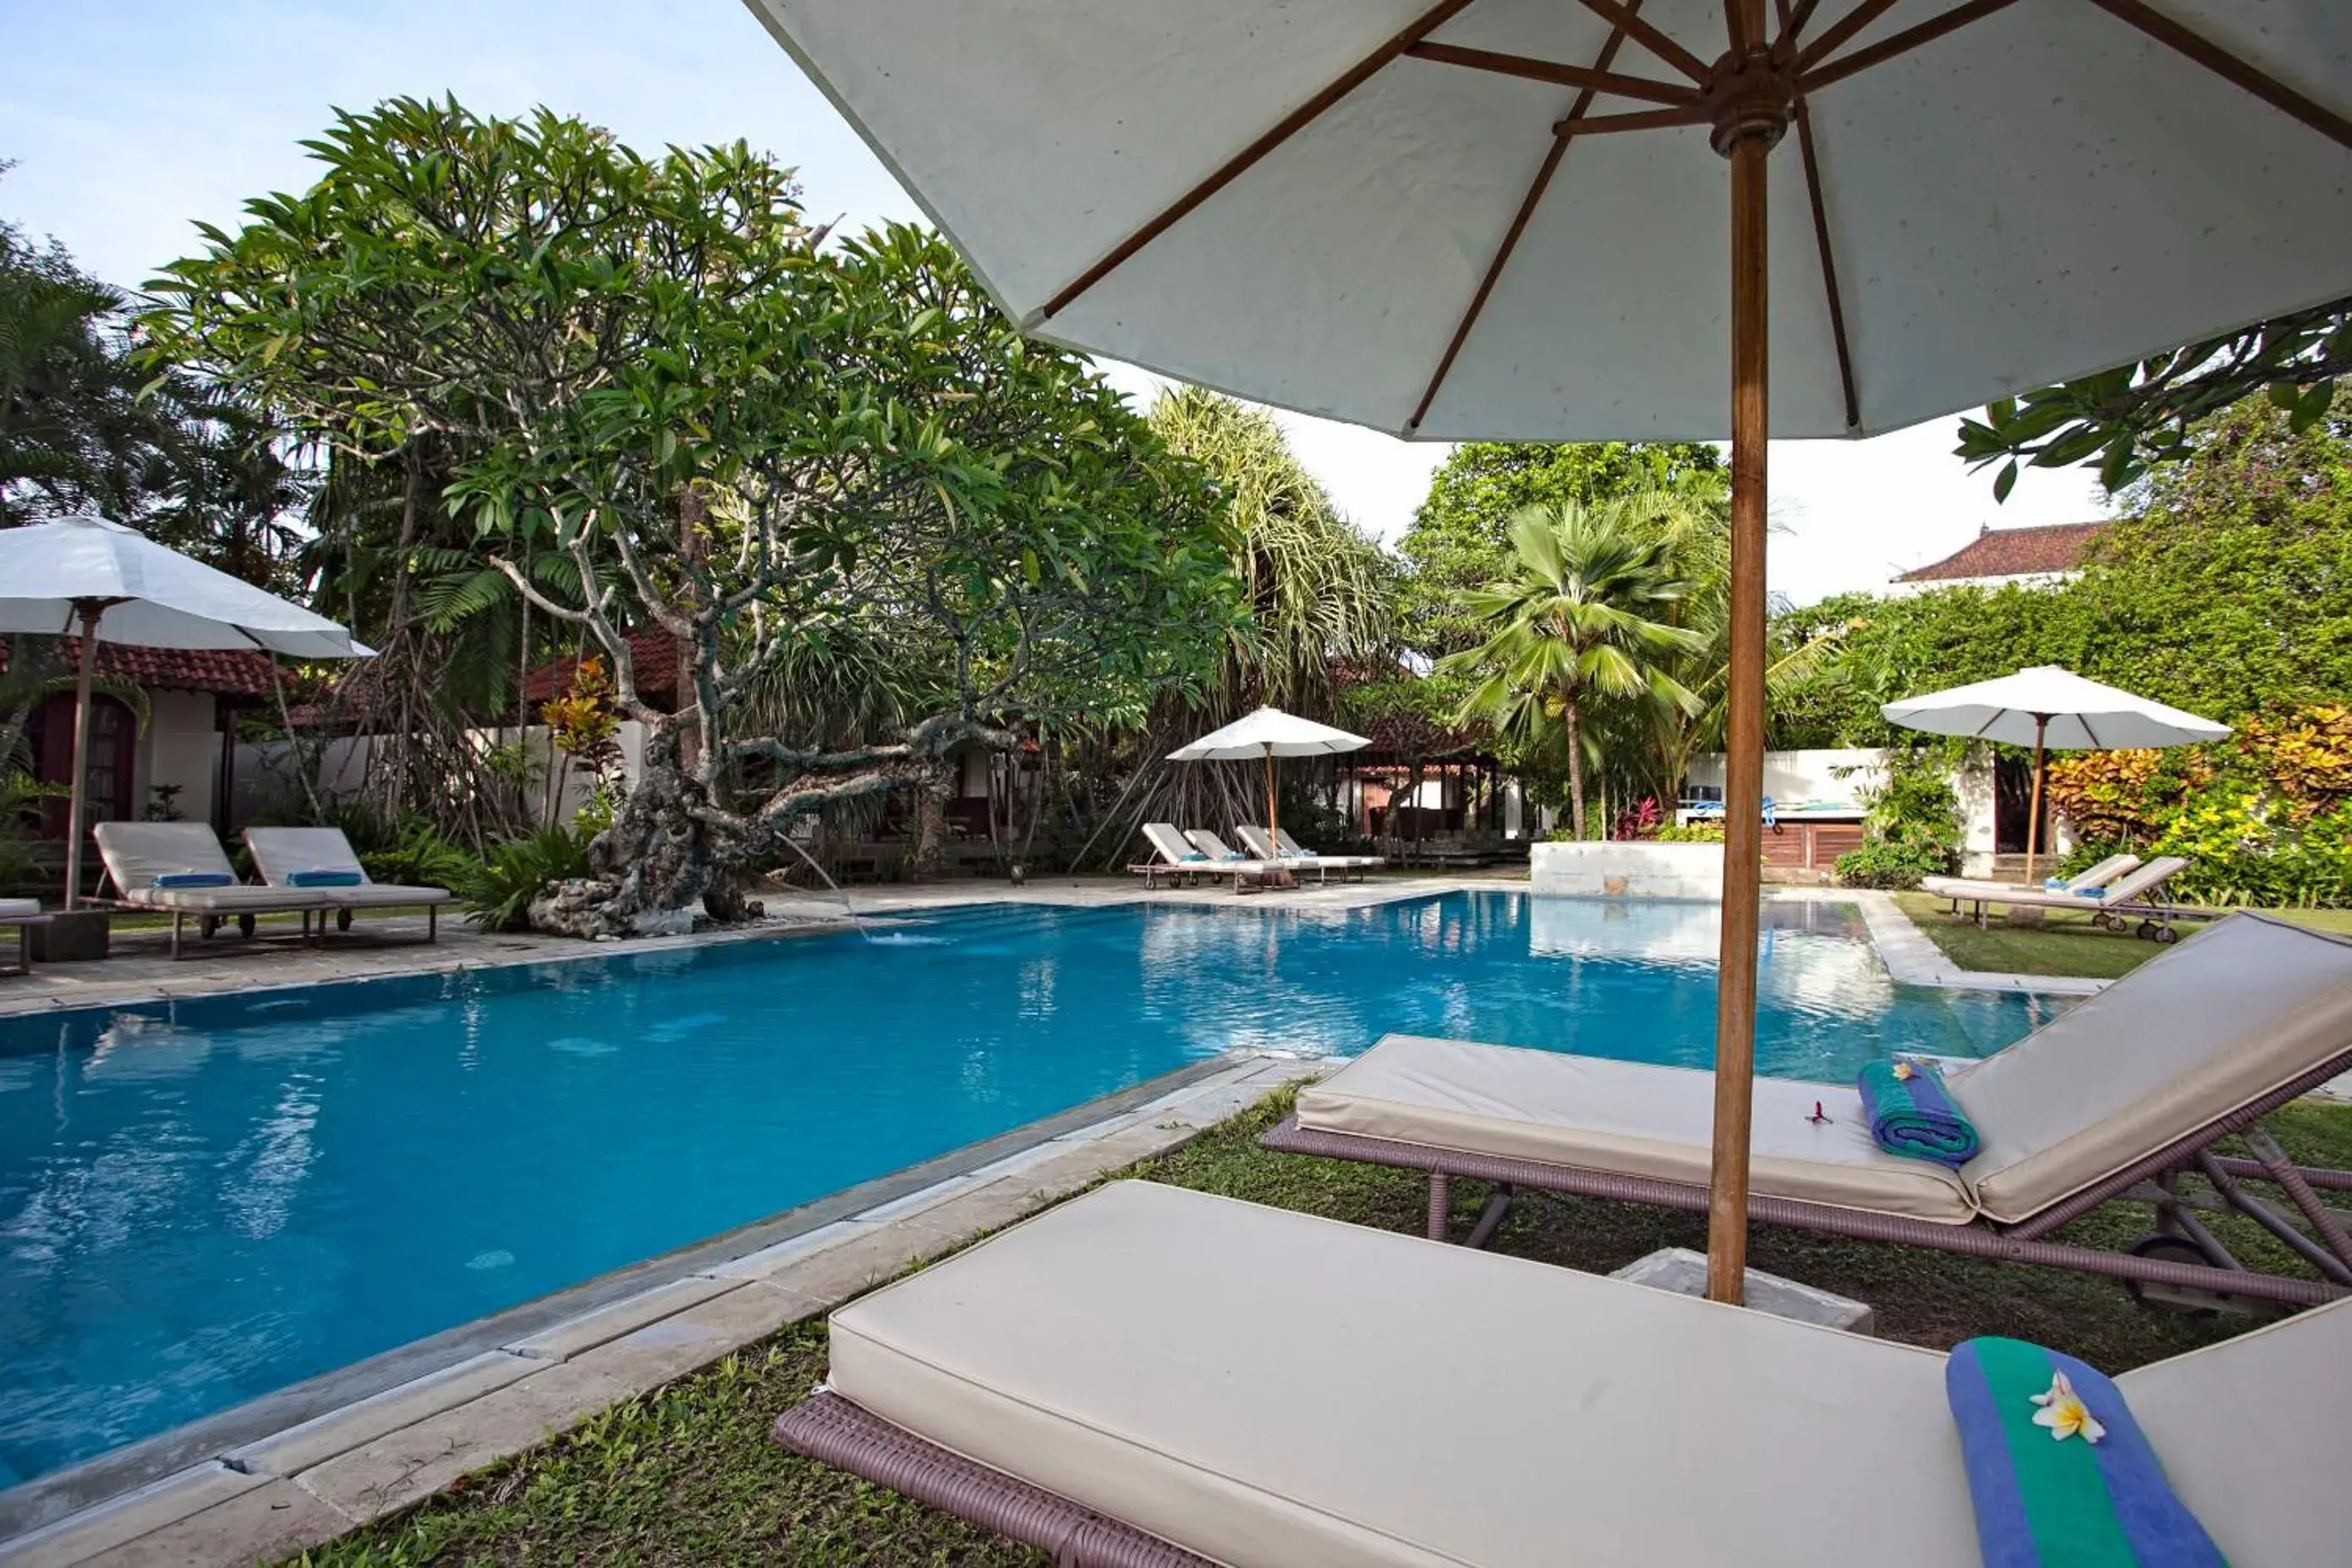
1581,620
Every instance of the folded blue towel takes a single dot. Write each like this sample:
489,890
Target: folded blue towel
1912,1116
1195,855
2049,1493
323,878
194,879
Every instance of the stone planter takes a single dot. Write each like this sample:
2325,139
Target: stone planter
1627,869
79,937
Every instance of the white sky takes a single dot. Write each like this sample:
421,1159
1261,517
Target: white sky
129,121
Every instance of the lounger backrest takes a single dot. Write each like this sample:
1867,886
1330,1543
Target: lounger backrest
1172,845
280,852
1288,845
1255,840
136,853
2100,875
1209,844
2229,1015
2146,880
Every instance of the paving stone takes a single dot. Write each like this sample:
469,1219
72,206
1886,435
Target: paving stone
828,1277
987,1207
1684,1271
606,1324
263,1525
110,1525
355,1425
770,1260
661,1351
409,1464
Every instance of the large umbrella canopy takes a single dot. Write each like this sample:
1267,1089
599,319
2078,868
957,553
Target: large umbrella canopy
2050,706
103,582
1269,734
1512,219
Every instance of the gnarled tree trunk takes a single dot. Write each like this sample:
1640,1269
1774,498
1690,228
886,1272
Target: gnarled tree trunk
654,867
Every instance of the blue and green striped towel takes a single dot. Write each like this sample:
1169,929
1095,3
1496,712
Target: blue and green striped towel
1912,1116
194,879
2043,1501
323,880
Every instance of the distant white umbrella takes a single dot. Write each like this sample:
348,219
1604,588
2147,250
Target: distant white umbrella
1269,734
100,580
2046,706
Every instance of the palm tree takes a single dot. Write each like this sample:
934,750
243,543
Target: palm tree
1586,616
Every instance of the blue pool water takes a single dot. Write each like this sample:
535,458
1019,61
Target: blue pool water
204,1201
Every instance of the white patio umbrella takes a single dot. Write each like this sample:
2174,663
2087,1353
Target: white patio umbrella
1269,732
2049,705
1505,220
86,576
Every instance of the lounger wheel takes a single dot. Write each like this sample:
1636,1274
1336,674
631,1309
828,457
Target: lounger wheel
343,919
2164,936
207,924
244,924
2106,920
2163,1248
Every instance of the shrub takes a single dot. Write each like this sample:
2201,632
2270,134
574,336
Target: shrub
1891,865
498,889
1693,833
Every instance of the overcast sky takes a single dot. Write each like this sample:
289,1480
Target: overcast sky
130,119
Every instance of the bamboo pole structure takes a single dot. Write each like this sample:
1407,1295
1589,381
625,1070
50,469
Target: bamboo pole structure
88,612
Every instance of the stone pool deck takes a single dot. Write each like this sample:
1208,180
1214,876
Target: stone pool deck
267,1479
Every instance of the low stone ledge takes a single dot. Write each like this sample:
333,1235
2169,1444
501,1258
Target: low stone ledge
1643,869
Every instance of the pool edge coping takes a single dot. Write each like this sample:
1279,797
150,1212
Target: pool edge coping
796,1264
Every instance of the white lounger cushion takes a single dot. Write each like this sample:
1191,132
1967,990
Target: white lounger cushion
1273,1390
244,899
2237,1011
2251,1435
1626,1117
280,852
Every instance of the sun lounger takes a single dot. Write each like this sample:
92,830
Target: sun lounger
1176,858
285,855
1149,1375
142,857
1283,847
2116,1099
2140,891
1961,888
24,914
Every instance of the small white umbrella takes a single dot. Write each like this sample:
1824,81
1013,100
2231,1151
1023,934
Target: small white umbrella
2049,705
1269,732
104,581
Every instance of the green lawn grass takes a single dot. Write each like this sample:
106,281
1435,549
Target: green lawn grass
687,1475
2065,943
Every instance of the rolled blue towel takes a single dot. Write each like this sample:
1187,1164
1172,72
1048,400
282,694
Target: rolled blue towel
1189,859
323,878
1912,1116
2059,1475
193,880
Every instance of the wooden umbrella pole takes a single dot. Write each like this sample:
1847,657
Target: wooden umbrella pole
1272,842
1746,134
88,611
2033,817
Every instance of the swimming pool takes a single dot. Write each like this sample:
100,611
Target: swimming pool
204,1201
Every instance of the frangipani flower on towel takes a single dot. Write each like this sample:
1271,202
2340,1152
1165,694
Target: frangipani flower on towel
2064,1413
1905,1071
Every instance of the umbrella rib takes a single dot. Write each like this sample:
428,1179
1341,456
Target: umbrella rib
1822,238
1626,21
1839,31
1902,43
1563,133
1793,29
1615,83
2228,66
1240,163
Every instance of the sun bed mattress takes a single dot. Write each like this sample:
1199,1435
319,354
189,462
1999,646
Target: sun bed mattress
244,898
1626,1117
2251,1435
1274,1390
381,895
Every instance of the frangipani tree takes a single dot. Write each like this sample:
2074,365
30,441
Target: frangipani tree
657,371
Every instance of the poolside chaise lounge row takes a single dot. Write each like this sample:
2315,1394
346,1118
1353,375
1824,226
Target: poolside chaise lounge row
180,869
2110,892
1148,1377
1178,855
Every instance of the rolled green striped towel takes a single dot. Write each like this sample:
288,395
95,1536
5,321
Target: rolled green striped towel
2060,1476
1912,1116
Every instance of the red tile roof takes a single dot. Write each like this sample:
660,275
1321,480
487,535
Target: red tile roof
652,653
227,672
2014,552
